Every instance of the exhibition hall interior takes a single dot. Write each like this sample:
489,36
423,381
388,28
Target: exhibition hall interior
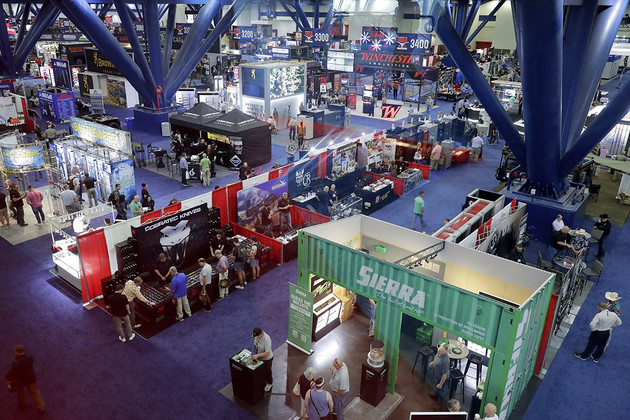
323,209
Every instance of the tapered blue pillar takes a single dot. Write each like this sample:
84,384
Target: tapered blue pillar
168,41
539,23
486,96
472,13
484,21
301,15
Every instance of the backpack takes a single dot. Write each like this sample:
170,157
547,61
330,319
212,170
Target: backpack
243,255
71,182
111,198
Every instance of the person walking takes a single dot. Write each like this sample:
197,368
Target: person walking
21,378
132,291
613,306
204,164
318,402
604,225
4,210
17,199
340,385
178,287
264,352
292,128
301,132
183,169
119,305
90,186
34,199
291,149
205,278
600,327
418,211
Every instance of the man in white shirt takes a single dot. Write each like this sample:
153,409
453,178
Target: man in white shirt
476,143
600,331
205,278
340,386
490,410
557,224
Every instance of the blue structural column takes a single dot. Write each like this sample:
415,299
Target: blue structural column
483,23
301,15
486,96
539,23
23,22
46,16
168,41
8,65
603,33
462,6
297,21
578,23
152,30
472,13
328,18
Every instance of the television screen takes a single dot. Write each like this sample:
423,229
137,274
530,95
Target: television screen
286,81
459,415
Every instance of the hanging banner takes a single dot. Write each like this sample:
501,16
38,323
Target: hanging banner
379,39
123,174
103,135
300,318
183,237
316,38
387,60
97,62
23,157
56,106
251,201
61,73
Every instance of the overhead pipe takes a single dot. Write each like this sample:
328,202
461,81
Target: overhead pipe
539,22
477,81
577,27
602,35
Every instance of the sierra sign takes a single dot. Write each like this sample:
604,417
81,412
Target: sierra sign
392,290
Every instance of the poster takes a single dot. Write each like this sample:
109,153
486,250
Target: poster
342,159
97,62
23,157
301,176
183,237
116,92
86,84
251,201
96,99
300,318
103,135
286,81
253,81
61,73
7,109
123,174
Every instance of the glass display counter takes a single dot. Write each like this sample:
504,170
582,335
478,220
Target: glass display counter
346,207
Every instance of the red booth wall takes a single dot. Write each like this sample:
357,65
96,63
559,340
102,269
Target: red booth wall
92,247
276,246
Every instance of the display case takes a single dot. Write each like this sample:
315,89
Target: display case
326,307
346,207
68,267
412,177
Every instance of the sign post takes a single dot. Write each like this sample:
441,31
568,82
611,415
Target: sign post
300,318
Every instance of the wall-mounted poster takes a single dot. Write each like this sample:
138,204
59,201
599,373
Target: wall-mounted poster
251,201
116,92
123,174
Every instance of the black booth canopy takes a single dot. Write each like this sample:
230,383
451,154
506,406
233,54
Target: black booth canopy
196,117
255,134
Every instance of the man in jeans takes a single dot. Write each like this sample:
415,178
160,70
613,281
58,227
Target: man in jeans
264,352
340,386
22,378
34,198
205,278
90,185
178,287
418,211
17,198
183,168
120,312
132,291
223,268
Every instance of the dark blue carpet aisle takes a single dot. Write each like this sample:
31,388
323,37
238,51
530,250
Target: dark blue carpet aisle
84,371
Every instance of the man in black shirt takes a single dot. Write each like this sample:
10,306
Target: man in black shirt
17,200
90,185
401,165
244,172
218,243
561,239
240,254
119,305
604,225
162,269
284,207
21,378
266,220
324,198
517,254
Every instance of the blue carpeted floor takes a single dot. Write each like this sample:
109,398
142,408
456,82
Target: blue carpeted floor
84,371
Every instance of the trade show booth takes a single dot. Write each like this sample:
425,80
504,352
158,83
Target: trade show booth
483,299
56,104
192,121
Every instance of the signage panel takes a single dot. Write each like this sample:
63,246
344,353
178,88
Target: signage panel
300,317
103,135
23,157
316,38
396,61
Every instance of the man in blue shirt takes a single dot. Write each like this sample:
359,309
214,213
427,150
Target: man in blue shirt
178,287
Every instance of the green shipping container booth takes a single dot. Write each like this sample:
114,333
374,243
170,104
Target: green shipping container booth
485,299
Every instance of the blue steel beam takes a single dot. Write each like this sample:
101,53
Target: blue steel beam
614,111
484,22
103,12
23,22
5,45
577,28
132,14
540,23
329,17
152,31
162,10
472,13
222,27
168,42
293,16
603,33
132,35
316,14
462,6
80,13
301,15
43,20
486,96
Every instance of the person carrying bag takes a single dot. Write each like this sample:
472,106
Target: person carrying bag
318,402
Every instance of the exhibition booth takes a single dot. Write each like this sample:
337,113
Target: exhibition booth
485,300
192,121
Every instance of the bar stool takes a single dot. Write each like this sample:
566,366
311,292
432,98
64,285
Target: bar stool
457,378
426,352
477,360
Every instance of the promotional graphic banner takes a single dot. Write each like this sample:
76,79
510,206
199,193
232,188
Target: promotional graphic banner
23,157
97,62
103,135
380,39
61,73
300,318
183,237
316,38
56,106
123,174
301,176
251,201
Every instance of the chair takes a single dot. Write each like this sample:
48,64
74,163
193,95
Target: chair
457,378
594,270
593,191
426,352
596,235
544,264
476,360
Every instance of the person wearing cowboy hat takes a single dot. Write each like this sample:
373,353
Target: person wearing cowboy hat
579,243
613,306
604,225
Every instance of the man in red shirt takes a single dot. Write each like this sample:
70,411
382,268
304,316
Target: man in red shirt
34,199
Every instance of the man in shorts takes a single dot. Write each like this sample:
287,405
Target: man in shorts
240,258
